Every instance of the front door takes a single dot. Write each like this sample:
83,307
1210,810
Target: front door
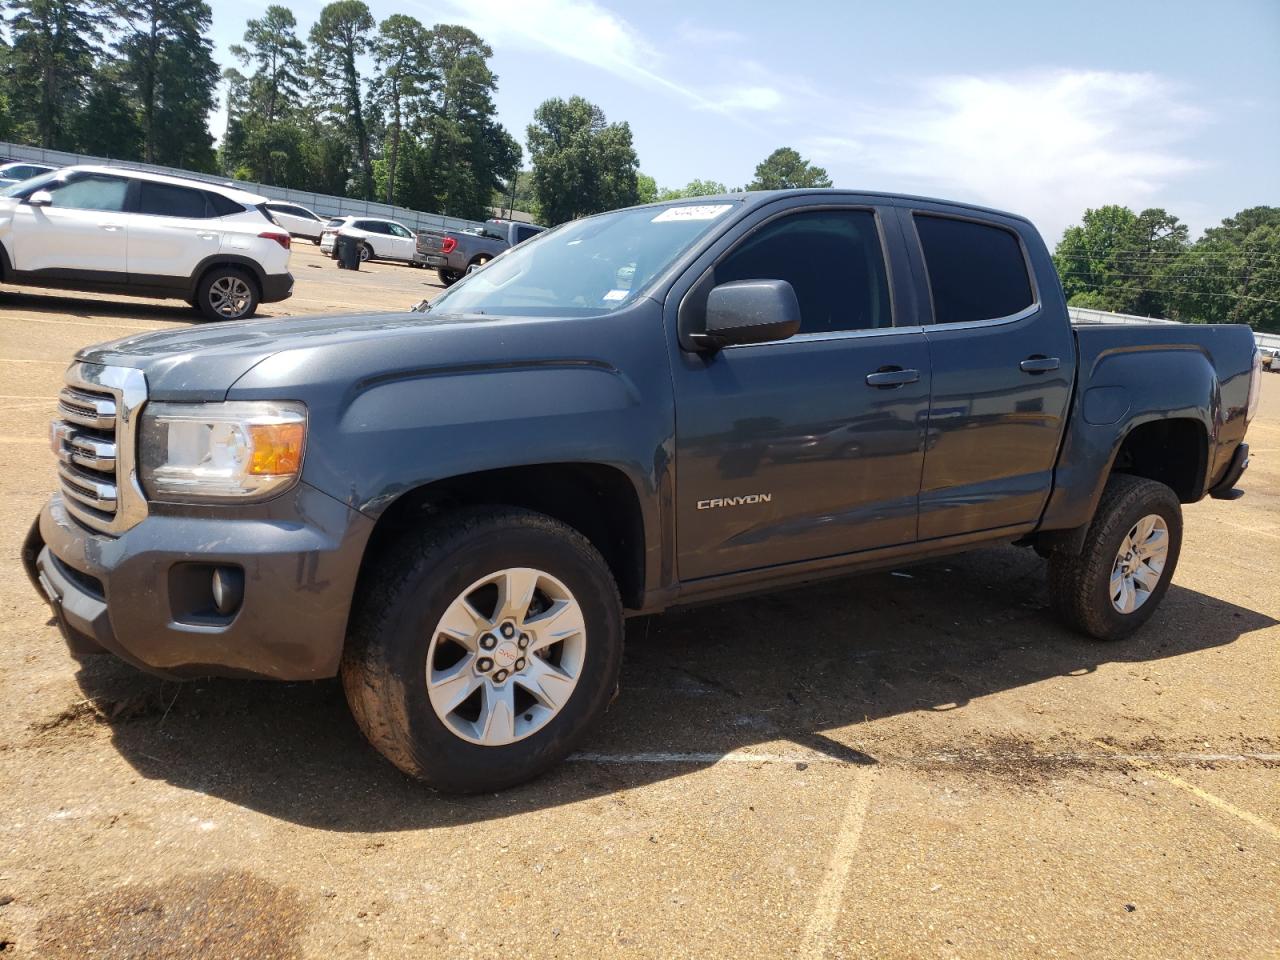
82,231
809,447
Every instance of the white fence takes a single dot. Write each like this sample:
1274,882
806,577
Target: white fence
319,202
1083,315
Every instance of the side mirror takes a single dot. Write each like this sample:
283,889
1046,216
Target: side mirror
41,198
749,311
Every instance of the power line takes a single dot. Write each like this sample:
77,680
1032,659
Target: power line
1197,293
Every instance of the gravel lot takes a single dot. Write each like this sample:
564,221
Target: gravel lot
912,764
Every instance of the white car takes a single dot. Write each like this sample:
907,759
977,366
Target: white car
113,230
18,170
298,220
379,239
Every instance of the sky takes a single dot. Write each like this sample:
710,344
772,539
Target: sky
1040,108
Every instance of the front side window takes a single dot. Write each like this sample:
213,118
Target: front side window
169,200
832,259
976,270
91,192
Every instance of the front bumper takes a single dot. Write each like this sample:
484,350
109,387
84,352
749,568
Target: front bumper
1225,489
137,595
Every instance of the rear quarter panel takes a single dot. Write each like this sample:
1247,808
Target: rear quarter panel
1130,375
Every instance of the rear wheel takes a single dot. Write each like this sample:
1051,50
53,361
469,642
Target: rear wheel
1113,586
487,647
366,252
227,293
448,277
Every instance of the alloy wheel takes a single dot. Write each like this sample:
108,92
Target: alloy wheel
230,297
1139,563
506,656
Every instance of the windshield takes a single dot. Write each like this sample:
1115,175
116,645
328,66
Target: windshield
32,183
586,267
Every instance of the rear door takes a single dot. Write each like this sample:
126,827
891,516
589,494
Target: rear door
1003,362
81,233
175,227
808,447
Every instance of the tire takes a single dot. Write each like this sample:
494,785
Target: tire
448,277
1082,585
478,262
366,253
396,625
227,293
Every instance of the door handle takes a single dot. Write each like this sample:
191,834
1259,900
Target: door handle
892,377
208,236
1039,364
110,227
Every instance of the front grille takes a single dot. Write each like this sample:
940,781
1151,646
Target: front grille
94,441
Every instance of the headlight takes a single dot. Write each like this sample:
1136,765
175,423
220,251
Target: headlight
241,449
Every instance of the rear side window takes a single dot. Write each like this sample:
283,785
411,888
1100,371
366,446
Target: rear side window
167,200
833,260
976,271
223,206
91,192
524,233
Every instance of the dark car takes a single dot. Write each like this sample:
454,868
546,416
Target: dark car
454,509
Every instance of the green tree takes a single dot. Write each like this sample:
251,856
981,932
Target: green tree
1232,273
1118,258
694,188
785,169
107,124
278,58
339,38
167,61
464,154
646,188
402,54
581,163
51,61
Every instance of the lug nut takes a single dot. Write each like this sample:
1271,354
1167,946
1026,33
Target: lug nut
500,675
524,641
508,630
488,641
520,664
485,665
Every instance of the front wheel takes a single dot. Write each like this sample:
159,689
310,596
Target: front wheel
1113,586
487,647
227,293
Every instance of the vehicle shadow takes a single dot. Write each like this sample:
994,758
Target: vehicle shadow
73,306
701,682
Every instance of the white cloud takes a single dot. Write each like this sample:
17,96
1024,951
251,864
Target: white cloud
578,29
1046,144
748,98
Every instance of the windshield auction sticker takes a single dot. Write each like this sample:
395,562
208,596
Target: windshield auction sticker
707,211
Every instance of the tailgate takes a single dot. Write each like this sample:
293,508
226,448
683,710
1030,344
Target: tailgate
429,242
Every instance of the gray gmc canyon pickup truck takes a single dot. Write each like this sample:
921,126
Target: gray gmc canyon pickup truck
454,508
454,252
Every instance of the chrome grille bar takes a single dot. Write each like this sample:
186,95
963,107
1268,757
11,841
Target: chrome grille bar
94,441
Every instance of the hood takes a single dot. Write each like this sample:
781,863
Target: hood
200,363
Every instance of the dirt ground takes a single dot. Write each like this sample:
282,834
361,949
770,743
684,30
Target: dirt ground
920,763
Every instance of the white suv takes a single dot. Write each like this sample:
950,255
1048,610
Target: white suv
297,219
379,239
113,230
